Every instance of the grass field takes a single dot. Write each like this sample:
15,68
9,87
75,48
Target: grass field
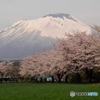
46,91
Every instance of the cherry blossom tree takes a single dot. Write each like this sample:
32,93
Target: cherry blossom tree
80,52
8,71
43,64
75,58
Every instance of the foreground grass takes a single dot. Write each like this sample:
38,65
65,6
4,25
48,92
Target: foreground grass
46,91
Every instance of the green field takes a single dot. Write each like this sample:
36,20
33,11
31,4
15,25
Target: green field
46,91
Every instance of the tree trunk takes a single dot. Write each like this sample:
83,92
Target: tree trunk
66,77
59,78
41,80
52,79
90,76
1,79
78,78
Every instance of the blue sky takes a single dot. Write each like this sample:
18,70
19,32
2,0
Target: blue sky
11,11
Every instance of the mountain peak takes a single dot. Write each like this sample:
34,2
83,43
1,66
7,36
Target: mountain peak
27,37
60,15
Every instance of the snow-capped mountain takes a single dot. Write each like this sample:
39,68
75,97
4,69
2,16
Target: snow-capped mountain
27,37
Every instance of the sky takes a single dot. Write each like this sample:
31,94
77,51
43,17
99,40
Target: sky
87,11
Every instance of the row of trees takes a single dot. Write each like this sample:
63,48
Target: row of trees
9,71
75,58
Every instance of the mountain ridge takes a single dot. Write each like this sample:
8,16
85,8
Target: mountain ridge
26,37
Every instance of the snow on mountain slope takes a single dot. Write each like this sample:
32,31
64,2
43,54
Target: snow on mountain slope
27,37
